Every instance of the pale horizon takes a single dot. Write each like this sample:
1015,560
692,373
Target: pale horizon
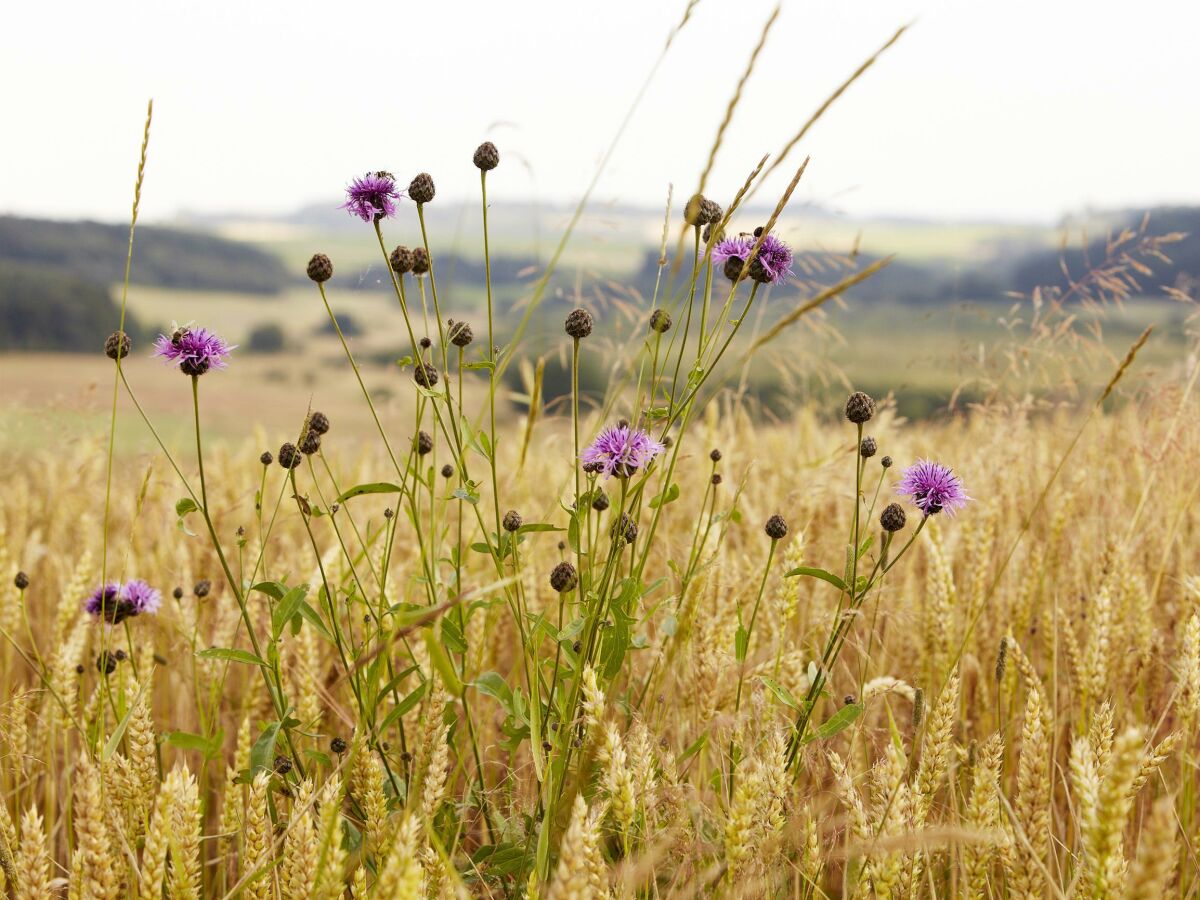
1028,115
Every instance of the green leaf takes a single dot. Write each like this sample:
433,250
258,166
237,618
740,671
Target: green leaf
183,508
376,487
538,526
464,494
313,617
671,495
781,693
242,656
482,364
696,747
492,684
262,754
441,662
839,721
185,740
114,739
813,572
272,589
741,642
286,608
404,705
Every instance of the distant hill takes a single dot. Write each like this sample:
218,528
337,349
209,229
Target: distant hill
42,309
161,256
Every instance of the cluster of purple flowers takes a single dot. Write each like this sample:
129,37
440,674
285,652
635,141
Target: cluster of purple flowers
193,350
933,487
117,602
621,451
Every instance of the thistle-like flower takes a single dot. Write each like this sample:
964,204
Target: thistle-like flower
772,264
117,602
194,350
933,487
621,451
372,196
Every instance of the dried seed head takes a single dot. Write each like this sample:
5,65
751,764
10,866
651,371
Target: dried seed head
202,588
892,518
660,321
868,447
860,408
563,578
420,261
578,324
420,189
460,333
117,345
288,456
21,581
318,422
320,268
424,442
512,521
626,529
266,458
426,375
311,443
487,157
776,528
401,259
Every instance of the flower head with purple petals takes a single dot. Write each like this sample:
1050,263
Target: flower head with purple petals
621,451
372,197
117,602
933,487
772,264
194,350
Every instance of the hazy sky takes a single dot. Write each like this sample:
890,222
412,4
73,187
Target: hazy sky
1023,109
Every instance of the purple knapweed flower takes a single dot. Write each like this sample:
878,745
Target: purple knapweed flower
933,487
771,265
372,197
142,596
621,451
117,602
194,350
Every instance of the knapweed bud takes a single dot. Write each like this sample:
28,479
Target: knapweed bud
563,578
21,581
867,448
486,157
578,324
318,422
425,343
338,746
460,333
426,375
117,345
202,588
776,528
447,471
320,268
512,521
283,764
716,478
420,261
424,442
420,189
311,443
600,502
860,408
401,260
106,663
886,462
714,455
732,268
710,211
892,518
288,456
266,458
660,321
626,529
177,593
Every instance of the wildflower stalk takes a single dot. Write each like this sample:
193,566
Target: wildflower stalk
275,691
